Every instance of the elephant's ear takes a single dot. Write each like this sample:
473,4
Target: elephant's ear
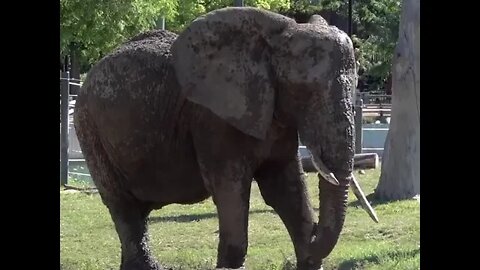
222,62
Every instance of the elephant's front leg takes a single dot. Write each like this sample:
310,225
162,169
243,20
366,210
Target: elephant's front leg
230,189
232,201
283,188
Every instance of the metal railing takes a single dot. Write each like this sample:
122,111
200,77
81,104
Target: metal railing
370,105
369,98
67,107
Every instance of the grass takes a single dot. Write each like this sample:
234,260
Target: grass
186,237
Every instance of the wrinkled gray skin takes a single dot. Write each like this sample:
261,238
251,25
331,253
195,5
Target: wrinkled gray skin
167,119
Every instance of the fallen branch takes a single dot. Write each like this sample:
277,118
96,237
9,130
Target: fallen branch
83,189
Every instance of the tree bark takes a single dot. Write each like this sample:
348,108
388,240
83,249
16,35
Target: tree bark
400,173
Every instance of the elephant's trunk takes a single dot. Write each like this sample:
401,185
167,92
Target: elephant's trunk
327,129
333,155
333,205
333,148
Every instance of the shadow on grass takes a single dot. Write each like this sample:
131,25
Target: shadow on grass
288,265
358,263
198,217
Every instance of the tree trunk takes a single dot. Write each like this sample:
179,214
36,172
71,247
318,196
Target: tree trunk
400,175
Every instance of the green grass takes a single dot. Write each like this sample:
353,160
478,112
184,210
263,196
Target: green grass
186,237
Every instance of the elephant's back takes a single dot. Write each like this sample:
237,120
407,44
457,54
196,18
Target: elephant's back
132,77
138,64
124,96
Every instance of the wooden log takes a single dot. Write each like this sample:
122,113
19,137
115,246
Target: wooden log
366,161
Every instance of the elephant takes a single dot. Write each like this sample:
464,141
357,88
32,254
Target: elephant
178,119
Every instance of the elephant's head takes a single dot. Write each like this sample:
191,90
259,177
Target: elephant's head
246,64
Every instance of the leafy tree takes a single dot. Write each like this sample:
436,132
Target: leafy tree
272,5
92,28
187,11
377,34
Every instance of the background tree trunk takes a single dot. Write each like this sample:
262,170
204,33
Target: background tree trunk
400,175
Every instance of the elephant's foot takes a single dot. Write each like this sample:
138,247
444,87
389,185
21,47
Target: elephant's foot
142,263
130,220
308,265
310,268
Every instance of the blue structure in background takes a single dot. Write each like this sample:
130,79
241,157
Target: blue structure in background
374,136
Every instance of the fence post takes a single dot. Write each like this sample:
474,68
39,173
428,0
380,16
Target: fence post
161,23
64,124
358,126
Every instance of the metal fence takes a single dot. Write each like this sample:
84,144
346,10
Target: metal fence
369,98
69,146
378,107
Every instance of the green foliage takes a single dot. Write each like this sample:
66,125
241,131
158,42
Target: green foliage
187,11
377,34
272,5
94,27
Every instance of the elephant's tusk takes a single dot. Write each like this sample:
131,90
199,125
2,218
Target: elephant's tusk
326,173
362,198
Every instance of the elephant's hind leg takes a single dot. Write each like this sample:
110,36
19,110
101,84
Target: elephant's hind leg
128,214
283,188
130,220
